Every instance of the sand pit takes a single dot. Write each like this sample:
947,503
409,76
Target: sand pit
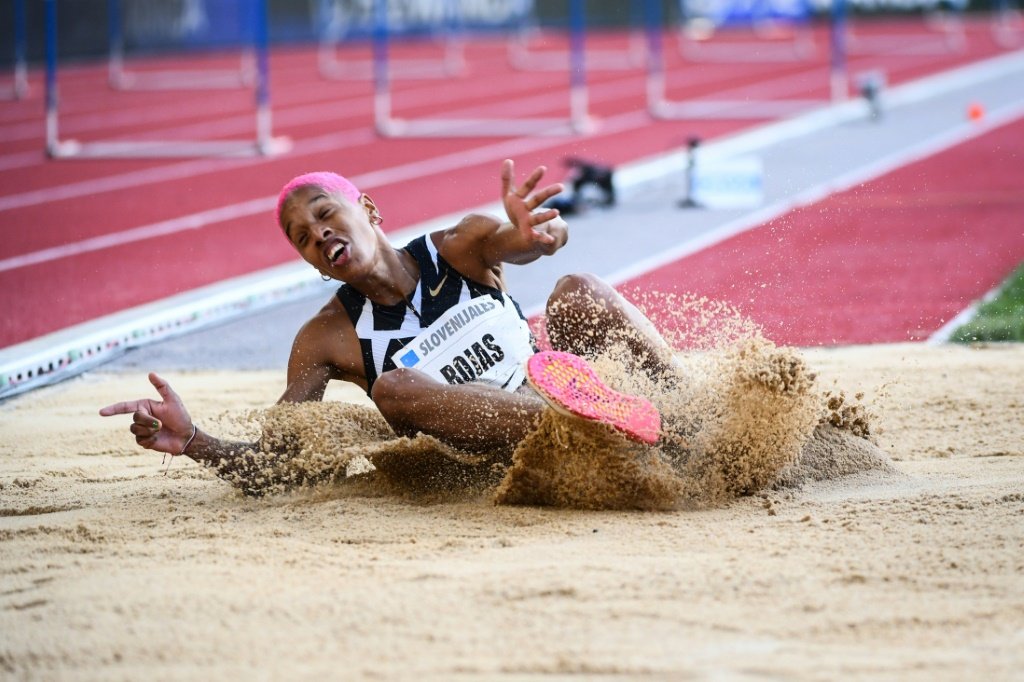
909,569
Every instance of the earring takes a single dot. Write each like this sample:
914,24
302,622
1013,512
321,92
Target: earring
326,278
375,218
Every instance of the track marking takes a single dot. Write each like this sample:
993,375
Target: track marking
961,133
632,174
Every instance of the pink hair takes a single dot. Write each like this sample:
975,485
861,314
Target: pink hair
325,180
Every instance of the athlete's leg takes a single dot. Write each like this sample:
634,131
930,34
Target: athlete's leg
472,417
586,316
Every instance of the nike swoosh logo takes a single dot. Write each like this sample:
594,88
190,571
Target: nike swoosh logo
436,290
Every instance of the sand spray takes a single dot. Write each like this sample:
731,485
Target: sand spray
739,415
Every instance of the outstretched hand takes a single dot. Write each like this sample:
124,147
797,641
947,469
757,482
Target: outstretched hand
520,202
162,425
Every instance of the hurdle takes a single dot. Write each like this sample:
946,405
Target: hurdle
337,17
19,85
264,144
521,58
122,79
660,107
578,121
1007,24
765,17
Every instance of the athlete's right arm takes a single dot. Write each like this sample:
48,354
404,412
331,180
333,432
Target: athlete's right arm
165,426
325,348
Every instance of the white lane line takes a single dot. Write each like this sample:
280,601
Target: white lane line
36,157
265,205
928,147
175,171
943,333
194,221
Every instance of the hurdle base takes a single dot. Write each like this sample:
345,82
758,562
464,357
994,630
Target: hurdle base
397,127
729,109
180,80
73,149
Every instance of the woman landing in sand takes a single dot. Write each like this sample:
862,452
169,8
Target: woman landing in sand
430,331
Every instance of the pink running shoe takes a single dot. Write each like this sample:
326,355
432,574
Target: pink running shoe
570,386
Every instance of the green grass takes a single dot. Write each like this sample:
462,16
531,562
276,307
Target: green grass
1001,319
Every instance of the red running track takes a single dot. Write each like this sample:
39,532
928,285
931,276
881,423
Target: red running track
891,260
176,225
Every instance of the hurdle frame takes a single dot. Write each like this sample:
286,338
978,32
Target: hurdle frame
522,59
452,63
801,48
578,122
264,144
660,107
18,88
1007,25
120,78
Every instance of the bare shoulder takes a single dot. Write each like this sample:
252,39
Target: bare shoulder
327,340
328,321
464,246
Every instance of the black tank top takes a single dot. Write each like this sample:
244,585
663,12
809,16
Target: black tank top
384,329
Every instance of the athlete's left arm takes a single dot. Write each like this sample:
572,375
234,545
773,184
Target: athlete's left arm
530,233
479,245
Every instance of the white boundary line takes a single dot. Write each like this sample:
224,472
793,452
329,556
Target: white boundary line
63,354
943,333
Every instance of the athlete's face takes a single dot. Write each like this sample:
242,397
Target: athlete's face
330,232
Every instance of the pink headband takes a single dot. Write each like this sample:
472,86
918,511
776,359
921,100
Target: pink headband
332,182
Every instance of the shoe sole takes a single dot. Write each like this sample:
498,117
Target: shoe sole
571,387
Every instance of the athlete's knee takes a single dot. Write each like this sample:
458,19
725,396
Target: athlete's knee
578,286
577,283
580,292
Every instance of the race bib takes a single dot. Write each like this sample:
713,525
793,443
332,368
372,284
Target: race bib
480,340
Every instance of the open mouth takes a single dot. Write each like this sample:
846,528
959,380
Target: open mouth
336,253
